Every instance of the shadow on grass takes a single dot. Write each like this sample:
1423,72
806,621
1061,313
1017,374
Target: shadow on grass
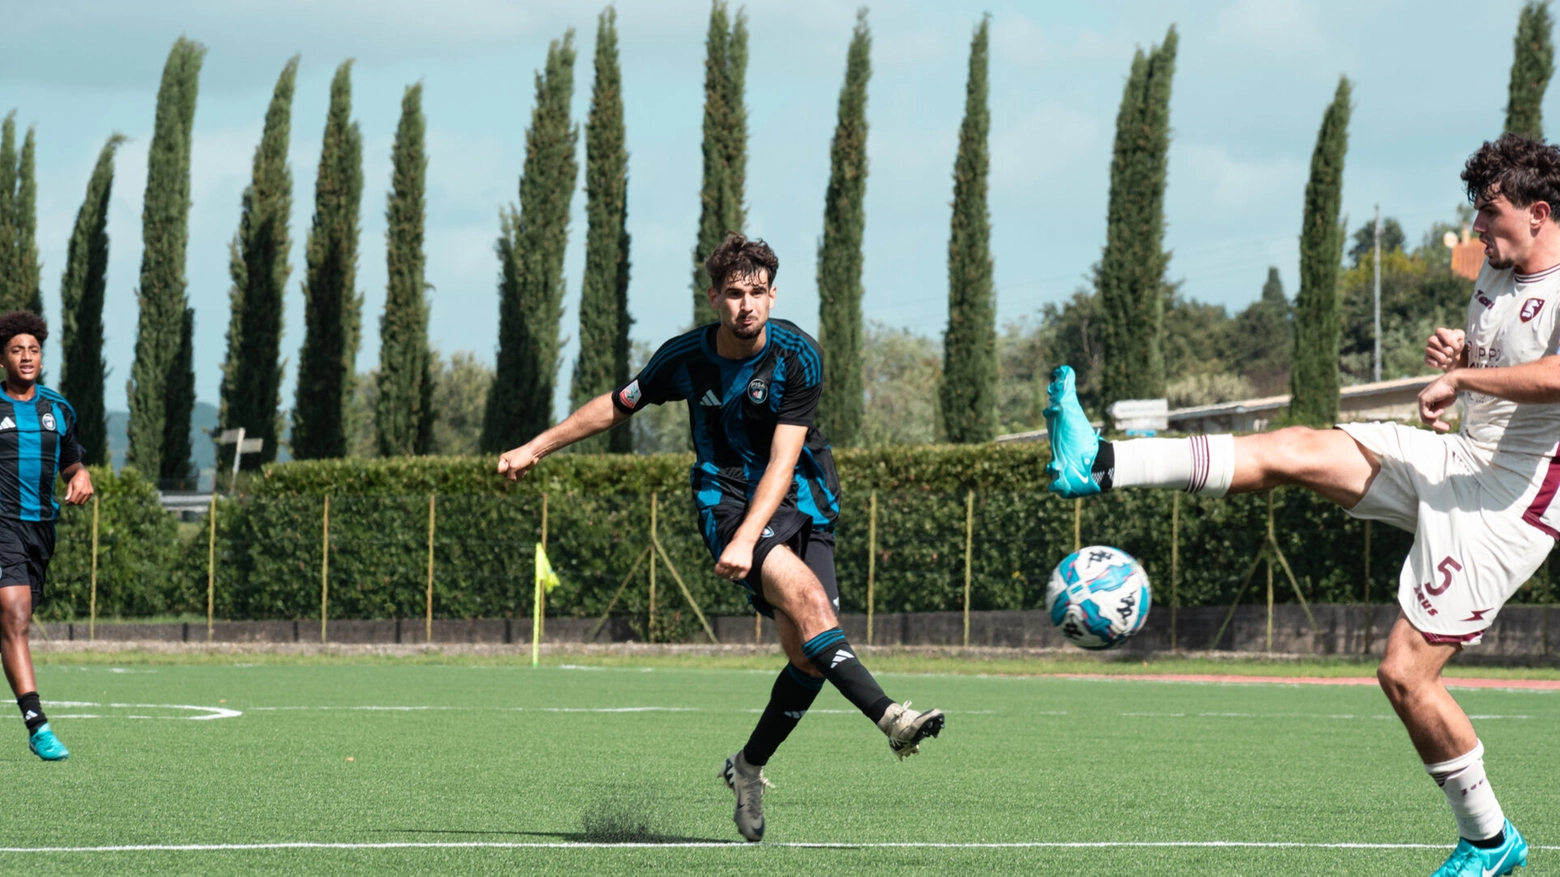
597,834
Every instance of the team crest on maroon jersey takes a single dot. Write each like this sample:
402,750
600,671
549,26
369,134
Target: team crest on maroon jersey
1531,307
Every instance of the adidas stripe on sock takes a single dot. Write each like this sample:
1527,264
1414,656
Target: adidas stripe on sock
834,657
789,701
32,711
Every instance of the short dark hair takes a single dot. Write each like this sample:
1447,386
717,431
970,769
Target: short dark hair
740,256
1521,168
22,323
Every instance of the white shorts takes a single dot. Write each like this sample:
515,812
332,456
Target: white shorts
1476,516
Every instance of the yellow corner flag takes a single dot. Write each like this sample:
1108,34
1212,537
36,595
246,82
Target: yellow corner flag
546,580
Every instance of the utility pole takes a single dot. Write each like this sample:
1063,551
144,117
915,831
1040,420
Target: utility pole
1376,263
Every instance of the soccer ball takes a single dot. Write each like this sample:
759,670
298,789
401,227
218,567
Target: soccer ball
1098,597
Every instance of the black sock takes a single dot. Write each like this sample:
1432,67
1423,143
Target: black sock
1104,469
1490,843
32,711
832,655
793,693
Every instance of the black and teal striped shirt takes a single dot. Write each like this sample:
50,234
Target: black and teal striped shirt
37,440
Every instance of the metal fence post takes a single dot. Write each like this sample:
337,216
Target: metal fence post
211,567
1077,524
1366,595
541,595
324,567
969,549
1175,563
92,612
871,560
650,626
428,622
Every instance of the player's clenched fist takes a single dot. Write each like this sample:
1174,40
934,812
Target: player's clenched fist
1445,348
515,463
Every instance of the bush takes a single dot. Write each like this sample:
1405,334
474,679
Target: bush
138,552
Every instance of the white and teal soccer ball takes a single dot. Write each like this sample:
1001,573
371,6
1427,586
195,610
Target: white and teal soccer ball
1098,597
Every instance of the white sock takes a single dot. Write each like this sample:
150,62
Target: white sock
1202,464
1473,801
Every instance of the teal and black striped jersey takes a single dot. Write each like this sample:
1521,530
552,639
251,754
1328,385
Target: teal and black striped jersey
37,440
734,406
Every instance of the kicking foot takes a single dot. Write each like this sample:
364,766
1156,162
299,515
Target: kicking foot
748,783
906,728
46,746
1074,441
1468,860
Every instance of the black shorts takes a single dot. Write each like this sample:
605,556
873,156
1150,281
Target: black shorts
787,527
25,550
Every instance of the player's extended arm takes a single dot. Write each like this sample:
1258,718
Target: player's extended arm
597,415
1536,382
78,484
736,561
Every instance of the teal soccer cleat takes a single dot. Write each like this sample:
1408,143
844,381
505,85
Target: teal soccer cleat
1470,861
1074,441
46,746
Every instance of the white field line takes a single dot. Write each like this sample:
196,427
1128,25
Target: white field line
727,845
204,713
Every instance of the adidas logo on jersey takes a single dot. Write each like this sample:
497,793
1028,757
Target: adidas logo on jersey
7,423
710,400
840,657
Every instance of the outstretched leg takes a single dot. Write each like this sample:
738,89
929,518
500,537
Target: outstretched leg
15,616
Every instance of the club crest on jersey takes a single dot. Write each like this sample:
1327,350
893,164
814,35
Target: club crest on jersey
1530,308
630,394
758,391
48,422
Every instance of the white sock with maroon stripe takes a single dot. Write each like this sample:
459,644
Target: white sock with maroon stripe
1473,801
1202,464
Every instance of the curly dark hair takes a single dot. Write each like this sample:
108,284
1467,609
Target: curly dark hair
1521,168
22,323
740,256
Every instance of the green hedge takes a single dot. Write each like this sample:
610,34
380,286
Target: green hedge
269,545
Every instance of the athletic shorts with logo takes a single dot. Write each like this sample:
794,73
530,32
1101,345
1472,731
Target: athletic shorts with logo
25,550
788,527
1478,517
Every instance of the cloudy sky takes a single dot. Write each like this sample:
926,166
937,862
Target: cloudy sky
1253,78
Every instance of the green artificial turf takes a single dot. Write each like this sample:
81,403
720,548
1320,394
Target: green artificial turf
464,752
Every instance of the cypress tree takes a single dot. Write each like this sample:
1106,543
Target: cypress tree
1131,276
969,386
839,253
403,330
8,169
83,372
1318,322
1532,64
530,246
604,319
161,386
332,305
725,144
26,292
252,373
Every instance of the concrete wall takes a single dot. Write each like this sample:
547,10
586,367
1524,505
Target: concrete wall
1518,632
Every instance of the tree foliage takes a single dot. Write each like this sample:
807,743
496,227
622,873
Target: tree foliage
1532,64
20,269
604,319
162,380
257,263
839,253
403,415
1131,276
530,249
1317,314
83,373
721,207
332,305
969,384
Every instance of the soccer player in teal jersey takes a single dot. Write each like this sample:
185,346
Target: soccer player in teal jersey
767,497
37,443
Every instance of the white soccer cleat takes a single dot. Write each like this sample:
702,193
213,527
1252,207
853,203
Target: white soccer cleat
748,783
906,728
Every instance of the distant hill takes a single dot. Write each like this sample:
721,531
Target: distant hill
202,420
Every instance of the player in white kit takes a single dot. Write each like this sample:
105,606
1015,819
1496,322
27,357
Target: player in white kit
1481,503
